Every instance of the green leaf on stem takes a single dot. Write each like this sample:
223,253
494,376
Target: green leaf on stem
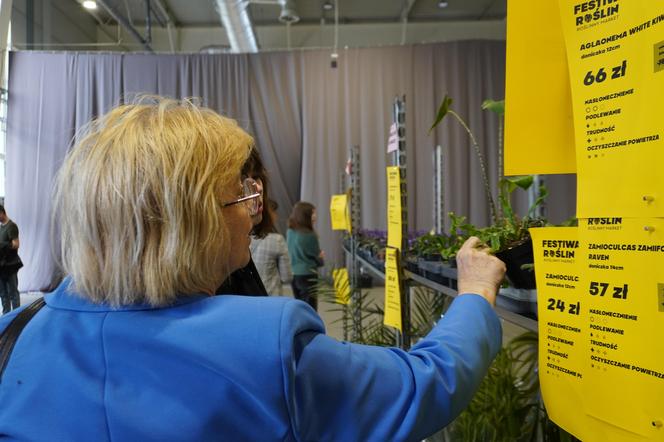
497,107
442,111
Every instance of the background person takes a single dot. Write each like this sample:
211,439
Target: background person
304,251
153,216
270,255
10,263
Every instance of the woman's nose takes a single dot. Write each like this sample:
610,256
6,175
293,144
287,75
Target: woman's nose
259,185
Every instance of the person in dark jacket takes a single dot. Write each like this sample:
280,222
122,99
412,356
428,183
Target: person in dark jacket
247,280
10,263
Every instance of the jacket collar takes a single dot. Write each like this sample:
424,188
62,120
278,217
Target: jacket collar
67,298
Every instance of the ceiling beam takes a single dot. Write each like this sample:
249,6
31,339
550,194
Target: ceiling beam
164,12
5,17
405,11
487,9
122,20
235,20
170,21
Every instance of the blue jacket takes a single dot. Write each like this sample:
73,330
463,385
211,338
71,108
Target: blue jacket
233,368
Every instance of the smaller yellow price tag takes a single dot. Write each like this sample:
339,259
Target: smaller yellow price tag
341,285
339,212
659,56
394,207
392,290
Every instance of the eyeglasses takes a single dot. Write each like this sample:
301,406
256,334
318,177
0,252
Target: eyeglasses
250,196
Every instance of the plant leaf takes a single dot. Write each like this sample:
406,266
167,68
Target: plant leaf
523,182
497,107
442,111
543,193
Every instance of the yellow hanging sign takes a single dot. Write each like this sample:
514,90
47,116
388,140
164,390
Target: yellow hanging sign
394,229
341,285
392,289
615,54
539,129
562,325
601,312
339,214
624,272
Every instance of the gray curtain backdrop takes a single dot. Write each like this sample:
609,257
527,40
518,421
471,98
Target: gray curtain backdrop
303,114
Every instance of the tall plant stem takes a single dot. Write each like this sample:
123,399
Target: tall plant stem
501,147
485,178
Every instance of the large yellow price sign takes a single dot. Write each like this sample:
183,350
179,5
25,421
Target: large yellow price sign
601,313
624,268
562,325
615,54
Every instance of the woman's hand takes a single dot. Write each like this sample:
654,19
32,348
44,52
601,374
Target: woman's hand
479,272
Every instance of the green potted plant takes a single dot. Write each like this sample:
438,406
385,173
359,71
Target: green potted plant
510,239
443,111
508,235
427,246
430,263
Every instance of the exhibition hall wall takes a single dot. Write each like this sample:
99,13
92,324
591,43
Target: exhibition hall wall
304,116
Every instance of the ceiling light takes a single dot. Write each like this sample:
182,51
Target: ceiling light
288,12
443,4
328,6
90,4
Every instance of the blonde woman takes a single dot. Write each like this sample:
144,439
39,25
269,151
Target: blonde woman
132,345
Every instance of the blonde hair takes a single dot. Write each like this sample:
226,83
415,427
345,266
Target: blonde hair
139,202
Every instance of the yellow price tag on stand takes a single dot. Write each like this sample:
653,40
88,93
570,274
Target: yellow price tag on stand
341,285
339,214
392,289
394,229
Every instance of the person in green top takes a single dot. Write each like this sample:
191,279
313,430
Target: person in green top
305,253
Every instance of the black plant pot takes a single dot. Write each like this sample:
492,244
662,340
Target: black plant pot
365,281
411,266
514,258
451,274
